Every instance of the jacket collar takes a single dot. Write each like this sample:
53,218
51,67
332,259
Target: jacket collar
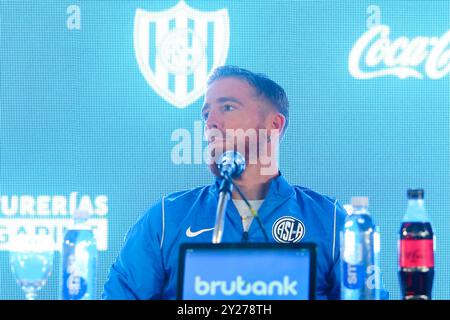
279,189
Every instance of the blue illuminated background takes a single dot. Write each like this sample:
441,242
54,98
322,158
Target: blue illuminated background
77,115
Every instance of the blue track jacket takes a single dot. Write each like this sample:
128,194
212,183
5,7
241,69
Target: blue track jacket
146,267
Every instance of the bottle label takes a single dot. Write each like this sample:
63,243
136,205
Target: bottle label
75,287
354,275
416,253
357,277
74,279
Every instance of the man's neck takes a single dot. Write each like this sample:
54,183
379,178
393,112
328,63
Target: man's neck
252,184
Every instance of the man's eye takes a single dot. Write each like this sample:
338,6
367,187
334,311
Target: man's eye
228,107
205,116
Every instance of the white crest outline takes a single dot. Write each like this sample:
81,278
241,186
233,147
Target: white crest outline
141,48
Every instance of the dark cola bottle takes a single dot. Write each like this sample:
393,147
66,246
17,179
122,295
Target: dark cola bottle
416,256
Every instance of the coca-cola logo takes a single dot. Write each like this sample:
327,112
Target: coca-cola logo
416,253
414,256
374,54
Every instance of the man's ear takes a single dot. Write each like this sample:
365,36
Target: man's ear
277,121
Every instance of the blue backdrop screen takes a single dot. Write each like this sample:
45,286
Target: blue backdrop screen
95,95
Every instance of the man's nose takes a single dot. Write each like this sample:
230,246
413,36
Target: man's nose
213,121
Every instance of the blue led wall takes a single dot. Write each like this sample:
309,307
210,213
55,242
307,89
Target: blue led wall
92,93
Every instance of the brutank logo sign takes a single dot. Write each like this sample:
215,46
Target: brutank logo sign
285,287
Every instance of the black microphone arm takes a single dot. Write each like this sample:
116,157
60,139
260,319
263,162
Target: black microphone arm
231,165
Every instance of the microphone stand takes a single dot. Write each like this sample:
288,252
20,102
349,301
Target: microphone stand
225,190
232,164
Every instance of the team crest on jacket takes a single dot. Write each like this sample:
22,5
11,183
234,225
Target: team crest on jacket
288,229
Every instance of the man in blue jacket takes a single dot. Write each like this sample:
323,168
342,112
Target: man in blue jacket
236,99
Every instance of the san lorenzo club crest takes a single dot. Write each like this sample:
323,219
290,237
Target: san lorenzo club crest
177,49
288,229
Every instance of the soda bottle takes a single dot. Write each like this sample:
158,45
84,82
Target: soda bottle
79,260
416,250
360,276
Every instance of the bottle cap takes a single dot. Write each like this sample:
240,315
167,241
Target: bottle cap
415,194
360,201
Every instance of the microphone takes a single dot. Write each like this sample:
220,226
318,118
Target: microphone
231,165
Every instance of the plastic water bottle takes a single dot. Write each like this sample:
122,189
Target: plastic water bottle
79,260
360,274
416,250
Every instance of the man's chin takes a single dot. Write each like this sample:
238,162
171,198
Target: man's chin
214,170
216,150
